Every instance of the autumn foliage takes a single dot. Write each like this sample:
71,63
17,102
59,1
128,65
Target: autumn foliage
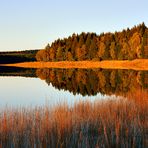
126,45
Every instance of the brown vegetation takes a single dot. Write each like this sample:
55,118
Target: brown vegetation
112,123
138,64
128,44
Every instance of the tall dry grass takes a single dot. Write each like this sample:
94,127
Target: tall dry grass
112,123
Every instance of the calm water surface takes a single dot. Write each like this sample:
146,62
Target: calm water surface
20,91
34,87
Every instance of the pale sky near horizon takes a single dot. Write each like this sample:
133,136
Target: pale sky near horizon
31,24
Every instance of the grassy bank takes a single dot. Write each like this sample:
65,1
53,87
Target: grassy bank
100,124
138,64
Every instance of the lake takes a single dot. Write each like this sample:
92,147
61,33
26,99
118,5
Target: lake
35,87
73,107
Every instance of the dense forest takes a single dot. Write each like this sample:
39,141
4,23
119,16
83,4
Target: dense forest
17,56
125,45
92,81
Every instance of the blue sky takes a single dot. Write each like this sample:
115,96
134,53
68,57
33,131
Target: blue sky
31,24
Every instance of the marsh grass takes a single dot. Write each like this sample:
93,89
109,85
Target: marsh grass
101,124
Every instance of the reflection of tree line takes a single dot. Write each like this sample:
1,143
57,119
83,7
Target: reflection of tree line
86,81
92,81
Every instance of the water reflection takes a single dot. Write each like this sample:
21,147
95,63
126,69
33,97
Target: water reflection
67,85
40,117
91,81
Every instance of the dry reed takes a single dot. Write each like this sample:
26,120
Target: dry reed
112,123
137,64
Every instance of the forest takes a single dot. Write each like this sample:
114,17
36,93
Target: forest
17,56
128,44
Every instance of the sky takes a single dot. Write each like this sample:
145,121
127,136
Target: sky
31,24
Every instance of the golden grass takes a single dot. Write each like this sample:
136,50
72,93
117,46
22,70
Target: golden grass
137,64
112,123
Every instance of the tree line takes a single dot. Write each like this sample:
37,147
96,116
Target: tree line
17,56
125,45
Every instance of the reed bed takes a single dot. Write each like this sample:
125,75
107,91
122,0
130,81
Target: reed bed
100,124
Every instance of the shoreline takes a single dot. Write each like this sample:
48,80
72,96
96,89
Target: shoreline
137,64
